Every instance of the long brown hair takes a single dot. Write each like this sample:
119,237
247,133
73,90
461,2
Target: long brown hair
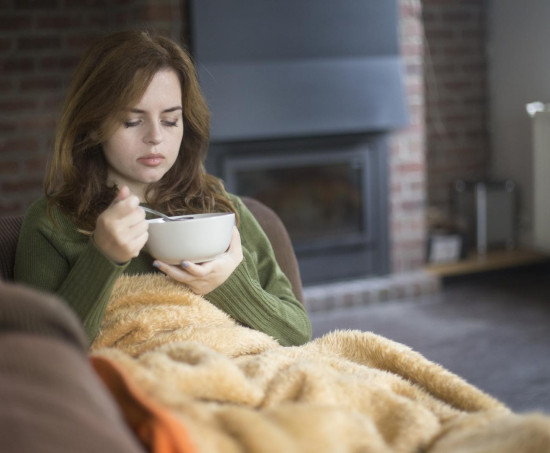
112,75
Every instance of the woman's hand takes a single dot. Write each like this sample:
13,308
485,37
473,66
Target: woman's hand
121,230
206,277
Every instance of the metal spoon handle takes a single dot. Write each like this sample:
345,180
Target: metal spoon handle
164,216
157,213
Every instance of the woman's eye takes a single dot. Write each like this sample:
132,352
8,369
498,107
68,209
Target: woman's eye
170,123
132,123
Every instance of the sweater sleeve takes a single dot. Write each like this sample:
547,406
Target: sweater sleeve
258,294
55,257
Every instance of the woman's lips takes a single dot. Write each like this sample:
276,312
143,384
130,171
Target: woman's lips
152,160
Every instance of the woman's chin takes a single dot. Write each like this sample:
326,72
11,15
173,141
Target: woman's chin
152,177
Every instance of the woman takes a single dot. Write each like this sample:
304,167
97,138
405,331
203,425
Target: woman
134,130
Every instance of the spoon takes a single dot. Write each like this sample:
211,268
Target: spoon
164,216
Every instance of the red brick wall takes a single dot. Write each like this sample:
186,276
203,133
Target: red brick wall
40,44
407,152
443,47
457,140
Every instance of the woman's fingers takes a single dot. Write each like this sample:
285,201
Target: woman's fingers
235,249
124,192
121,230
203,278
175,272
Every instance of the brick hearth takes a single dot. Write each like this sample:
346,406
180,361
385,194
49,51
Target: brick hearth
354,293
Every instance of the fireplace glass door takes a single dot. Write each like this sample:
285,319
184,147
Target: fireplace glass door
320,198
330,192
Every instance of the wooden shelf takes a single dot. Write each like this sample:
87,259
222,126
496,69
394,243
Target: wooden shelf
492,260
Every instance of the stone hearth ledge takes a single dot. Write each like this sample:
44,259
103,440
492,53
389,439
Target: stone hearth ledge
353,293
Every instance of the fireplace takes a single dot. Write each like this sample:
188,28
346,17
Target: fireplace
330,193
301,115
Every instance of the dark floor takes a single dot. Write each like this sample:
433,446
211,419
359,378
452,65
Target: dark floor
492,329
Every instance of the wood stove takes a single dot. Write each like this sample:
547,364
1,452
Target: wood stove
303,95
330,192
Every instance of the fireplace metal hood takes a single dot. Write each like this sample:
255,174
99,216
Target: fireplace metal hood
295,68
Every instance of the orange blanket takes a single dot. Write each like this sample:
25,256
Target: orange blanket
234,389
154,425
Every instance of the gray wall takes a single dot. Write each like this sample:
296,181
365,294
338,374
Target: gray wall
519,72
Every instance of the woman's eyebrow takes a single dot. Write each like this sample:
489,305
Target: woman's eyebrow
168,110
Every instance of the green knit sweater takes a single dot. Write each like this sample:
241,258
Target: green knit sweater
55,257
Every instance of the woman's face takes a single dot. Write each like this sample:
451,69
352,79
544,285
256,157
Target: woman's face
146,143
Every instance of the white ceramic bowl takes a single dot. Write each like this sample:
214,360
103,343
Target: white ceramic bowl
196,238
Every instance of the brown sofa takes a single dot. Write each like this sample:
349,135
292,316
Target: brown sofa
268,219
52,397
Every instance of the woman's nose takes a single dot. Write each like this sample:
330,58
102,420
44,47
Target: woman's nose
154,134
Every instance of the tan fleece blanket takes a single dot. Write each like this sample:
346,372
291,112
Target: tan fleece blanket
238,390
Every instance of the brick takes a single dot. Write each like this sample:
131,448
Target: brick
410,9
66,61
58,21
9,167
39,123
18,145
39,43
6,44
7,85
36,4
96,20
37,163
407,168
8,125
12,22
10,207
408,49
12,65
455,86
53,101
439,35
82,40
88,4
42,83
16,105
22,185
156,11
458,17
